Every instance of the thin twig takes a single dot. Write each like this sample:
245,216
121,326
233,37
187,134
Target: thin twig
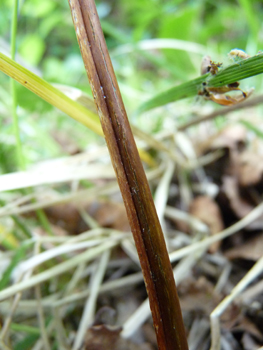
223,111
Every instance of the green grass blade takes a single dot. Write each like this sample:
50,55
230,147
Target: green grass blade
50,94
27,342
19,255
32,336
176,93
238,71
235,72
55,97
24,328
19,153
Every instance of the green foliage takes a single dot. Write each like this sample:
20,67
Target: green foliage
19,255
32,48
231,74
47,45
27,342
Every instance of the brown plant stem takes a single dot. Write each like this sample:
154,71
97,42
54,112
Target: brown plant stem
131,177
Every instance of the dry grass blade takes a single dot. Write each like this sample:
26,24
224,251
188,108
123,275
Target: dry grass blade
89,310
135,189
56,270
253,215
214,317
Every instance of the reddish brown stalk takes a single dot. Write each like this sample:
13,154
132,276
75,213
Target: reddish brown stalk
145,226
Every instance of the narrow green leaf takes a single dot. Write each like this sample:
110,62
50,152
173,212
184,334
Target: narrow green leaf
27,342
50,94
55,97
24,328
238,71
19,255
176,93
235,72
30,339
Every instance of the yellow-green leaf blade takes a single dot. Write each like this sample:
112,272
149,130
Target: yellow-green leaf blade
50,94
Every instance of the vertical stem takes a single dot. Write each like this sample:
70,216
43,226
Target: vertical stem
19,154
145,226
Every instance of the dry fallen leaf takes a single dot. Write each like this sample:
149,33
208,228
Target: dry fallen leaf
230,187
250,170
231,141
251,249
109,214
198,295
232,137
105,213
239,205
106,337
66,216
207,210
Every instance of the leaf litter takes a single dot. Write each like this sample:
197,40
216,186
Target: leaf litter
82,287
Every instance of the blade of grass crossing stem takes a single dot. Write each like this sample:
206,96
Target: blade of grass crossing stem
173,94
56,98
50,94
145,226
235,72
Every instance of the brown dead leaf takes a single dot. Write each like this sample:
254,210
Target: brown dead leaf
250,171
232,137
106,213
198,295
66,216
230,187
207,210
109,214
231,142
106,337
237,203
251,249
